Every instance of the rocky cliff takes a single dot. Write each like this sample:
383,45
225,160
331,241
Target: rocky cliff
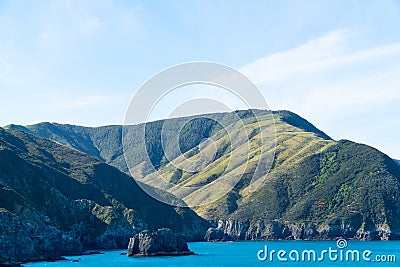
231,230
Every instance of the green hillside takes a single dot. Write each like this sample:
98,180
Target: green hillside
105,143
314,180
317,188
56,201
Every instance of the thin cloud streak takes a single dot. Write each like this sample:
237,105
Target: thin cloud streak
333,81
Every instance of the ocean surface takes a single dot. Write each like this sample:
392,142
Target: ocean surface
296,253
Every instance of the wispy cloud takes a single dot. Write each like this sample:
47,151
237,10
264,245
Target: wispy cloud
317,54
339,83
84,101
102,107
57,60
329,73
75,21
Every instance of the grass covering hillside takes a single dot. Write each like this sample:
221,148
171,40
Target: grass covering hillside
313,179
105,143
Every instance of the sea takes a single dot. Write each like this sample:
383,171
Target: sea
253,253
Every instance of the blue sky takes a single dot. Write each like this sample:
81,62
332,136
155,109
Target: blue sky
336,63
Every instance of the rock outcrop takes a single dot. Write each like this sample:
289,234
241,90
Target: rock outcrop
162,242
34,241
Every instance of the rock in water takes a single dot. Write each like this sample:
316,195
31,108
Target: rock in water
162,242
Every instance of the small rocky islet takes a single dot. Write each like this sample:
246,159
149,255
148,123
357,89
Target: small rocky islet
163,242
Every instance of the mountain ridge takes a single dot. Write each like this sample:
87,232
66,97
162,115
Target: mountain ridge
297,141
89,139
317,188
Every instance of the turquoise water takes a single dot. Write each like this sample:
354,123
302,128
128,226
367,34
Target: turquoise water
245,254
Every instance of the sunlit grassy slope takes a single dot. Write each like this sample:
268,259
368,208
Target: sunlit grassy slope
312,178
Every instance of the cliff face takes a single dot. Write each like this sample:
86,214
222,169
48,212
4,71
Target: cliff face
230,230
22,241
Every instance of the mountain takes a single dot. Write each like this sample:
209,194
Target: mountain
317,188
57,201
105,142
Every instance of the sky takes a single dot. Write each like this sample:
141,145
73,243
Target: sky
336,63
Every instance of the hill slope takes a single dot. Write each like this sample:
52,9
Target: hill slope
105,143
56,201
317,187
